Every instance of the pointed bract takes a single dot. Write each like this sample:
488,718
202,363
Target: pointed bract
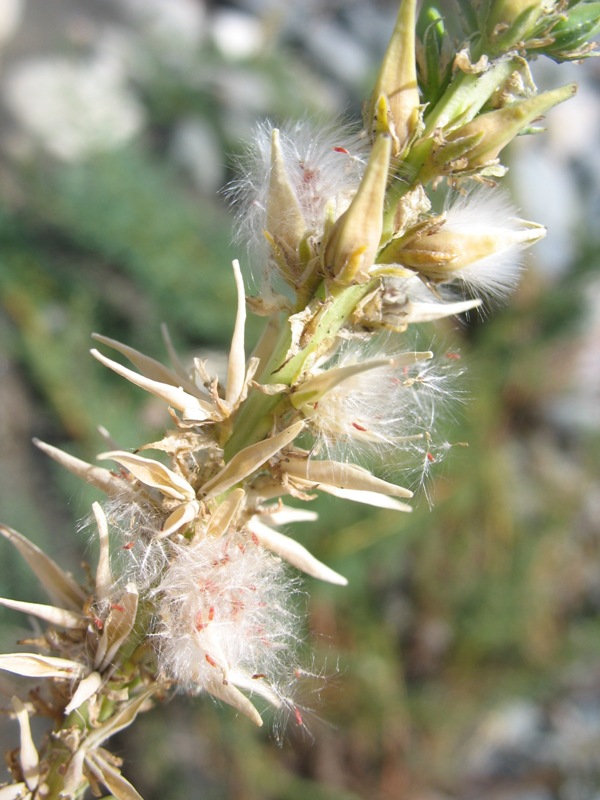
293,552
397,82
191,406
111,778
152,473
99,477
341,476
356,236
249,459
117,627
34,665
50,614
85,689
104,579
59,585
28,755
236,367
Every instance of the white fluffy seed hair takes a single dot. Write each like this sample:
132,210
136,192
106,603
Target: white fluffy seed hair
137,554
324,164
386,410
224,610
485,211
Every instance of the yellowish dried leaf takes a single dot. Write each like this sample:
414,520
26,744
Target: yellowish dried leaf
294,553
250,459
34,665
59,585
86,688
99,477
28,754
104,579
117,627
236,367
109,776
153,473
50,614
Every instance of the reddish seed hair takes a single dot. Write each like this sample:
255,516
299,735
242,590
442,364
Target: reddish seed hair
358,427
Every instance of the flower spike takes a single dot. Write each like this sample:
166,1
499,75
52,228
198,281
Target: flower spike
353,237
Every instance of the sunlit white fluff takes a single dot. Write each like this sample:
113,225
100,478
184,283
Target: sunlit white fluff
225,618
387,409
324,165
486,221
137,554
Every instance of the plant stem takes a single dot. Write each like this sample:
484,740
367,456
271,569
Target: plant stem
331,308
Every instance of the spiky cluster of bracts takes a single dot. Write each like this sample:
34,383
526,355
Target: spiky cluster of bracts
348,254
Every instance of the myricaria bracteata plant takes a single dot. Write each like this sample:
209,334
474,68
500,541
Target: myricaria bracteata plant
194,577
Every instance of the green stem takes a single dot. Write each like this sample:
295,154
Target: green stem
331,310
464,98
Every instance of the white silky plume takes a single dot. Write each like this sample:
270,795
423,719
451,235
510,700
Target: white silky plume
489,217
138,556
224,616
383,410
324,166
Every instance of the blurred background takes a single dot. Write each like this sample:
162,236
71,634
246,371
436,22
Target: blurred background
463,660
